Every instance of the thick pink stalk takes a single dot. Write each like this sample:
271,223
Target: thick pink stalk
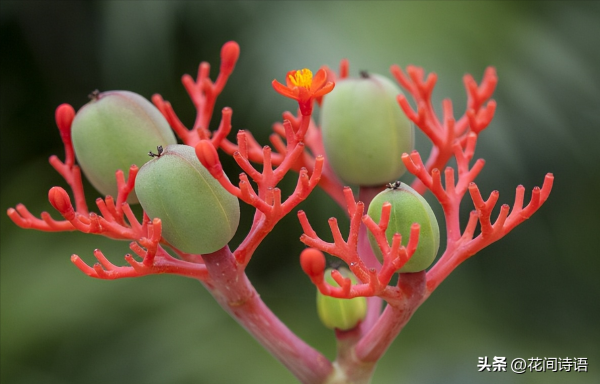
374,344
234,292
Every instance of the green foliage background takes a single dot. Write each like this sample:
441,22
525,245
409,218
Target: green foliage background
533,294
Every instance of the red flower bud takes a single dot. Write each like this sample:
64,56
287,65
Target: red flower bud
229,55
207,154
64,116
59,198
312,262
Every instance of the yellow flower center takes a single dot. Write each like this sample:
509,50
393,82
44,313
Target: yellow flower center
302,78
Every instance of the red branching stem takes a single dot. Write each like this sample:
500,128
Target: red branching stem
368,342
267,199
466,246
373,282
64,116
446,133
68,170
290,155
124,188
224,127
452,195
285,137
203,93
167,110
460,246
155,260
21,216
116,220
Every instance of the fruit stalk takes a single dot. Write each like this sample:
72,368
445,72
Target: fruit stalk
231,288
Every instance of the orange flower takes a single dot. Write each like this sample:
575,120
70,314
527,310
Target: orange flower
302,87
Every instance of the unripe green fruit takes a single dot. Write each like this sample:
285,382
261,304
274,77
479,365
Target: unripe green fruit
408,207
198,215
343,314
114,131
365,132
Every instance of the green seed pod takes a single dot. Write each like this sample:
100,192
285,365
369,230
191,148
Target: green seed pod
198,215
408,207
343,314
114,131
365,132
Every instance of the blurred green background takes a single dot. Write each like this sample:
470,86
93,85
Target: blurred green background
534,294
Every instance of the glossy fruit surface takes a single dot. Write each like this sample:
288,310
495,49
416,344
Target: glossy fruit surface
365,132
343,314
198,215
114,131
408,207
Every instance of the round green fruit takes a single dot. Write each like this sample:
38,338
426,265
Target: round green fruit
198,215
408,207
343,314
365,132
114,131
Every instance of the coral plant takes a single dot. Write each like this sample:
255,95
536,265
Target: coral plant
296,145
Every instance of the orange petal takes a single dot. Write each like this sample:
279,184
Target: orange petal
326,89
319,80
283,90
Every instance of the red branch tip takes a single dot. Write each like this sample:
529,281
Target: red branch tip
203,93
229,56
462,246
207,154
64,116
155,260
445,132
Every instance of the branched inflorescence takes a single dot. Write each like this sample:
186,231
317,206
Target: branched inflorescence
116,219
445,132
375,283
450,138
298,146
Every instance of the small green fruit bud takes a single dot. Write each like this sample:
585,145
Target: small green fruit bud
408,207
343,314
365,132
114,131
198,215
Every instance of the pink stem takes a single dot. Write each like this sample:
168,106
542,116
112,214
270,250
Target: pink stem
366,195
346,343
374,344
234,292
